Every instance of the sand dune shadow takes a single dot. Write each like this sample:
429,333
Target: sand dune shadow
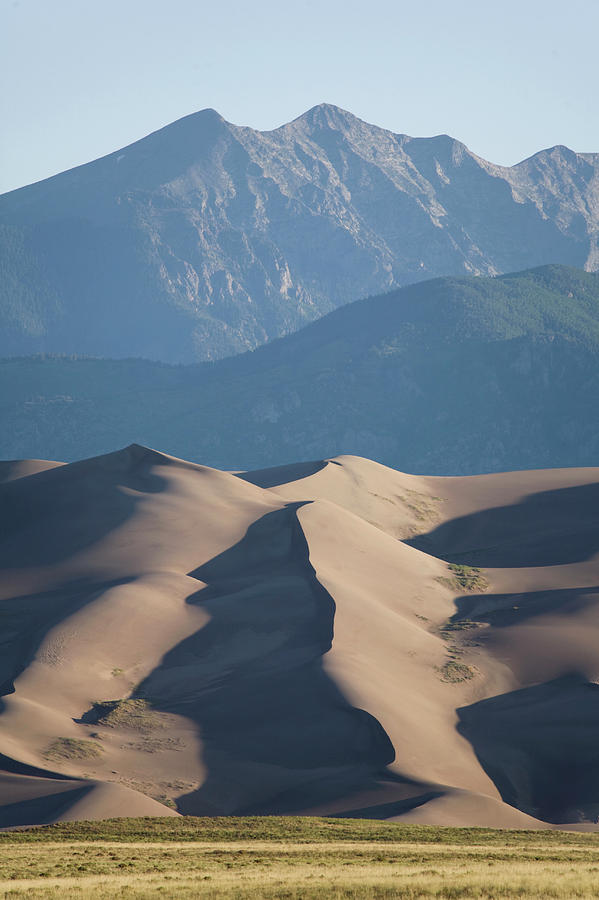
539,746
277,732
548,528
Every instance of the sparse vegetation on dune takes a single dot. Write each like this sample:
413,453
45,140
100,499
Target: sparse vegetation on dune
464,578
131,713
452,629
424,509
453,672
460,635
64,748
293,858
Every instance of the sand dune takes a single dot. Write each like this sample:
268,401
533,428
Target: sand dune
176,639
11,469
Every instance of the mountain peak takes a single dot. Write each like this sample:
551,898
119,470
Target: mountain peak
559,153
206,238
327,115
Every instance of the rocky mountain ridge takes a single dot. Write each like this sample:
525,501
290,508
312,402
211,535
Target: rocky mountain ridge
205,238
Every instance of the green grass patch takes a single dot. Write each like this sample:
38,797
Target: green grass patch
293,858
282,828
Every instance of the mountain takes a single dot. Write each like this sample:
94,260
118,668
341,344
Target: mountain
334,638
450,376
205,239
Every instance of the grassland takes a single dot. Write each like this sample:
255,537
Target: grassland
293,858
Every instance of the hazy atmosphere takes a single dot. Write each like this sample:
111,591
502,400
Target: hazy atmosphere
85,78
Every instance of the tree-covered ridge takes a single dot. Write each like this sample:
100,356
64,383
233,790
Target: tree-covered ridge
448,376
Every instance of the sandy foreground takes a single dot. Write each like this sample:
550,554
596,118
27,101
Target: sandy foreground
329,638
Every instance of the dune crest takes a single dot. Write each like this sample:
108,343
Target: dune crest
332,637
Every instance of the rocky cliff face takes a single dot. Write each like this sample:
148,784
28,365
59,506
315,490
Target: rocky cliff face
205,239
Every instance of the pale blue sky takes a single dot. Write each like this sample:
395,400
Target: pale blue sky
81,78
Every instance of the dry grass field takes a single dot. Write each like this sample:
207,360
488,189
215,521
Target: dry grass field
293,858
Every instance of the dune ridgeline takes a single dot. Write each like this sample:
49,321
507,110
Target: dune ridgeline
330,638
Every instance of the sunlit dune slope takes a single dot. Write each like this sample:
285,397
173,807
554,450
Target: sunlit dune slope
332,637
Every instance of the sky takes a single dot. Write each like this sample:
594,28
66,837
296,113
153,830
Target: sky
81,78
